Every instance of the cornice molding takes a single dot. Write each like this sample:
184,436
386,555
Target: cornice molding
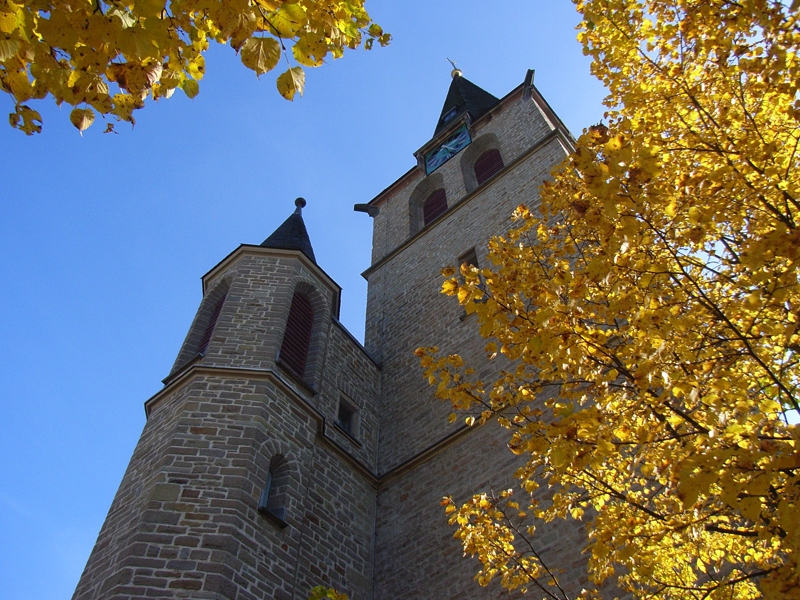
323,426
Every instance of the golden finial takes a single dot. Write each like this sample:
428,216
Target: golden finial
456,72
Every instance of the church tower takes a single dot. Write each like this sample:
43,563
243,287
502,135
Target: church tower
281,454
487,156
230,492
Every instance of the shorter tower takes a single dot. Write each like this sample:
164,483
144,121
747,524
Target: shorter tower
253,475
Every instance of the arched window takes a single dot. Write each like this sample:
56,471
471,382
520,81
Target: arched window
488,164
297,337
435,205
212,322
272,502
425,191
202,330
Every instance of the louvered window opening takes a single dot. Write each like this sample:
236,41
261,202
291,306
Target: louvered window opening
435,205
212,322
488,165
297,338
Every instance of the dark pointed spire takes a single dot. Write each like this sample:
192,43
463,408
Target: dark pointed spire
464,97
292,234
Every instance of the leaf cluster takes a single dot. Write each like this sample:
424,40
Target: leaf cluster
110,56
321,592
651,305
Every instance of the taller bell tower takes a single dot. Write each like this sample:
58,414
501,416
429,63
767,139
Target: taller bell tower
487,155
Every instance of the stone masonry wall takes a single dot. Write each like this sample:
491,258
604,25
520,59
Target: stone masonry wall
184,523
407,309
194,531
109,565
417,557
338,539
350,373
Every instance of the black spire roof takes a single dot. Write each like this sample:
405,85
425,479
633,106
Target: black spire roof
292,234
464,97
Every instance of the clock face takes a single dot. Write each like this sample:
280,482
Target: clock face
447,150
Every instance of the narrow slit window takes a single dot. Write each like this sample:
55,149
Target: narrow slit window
272,502
488,165
263,501
435,205
346,419
470,258
297,337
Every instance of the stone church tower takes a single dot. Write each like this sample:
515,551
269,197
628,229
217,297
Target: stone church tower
281,454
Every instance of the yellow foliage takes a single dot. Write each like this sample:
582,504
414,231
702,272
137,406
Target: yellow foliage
665,276
109,57
320,592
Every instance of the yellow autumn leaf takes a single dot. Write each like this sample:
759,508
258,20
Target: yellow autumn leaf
149,8
8,48
287,20
26,120
605,447
309,51
260,54
19,85
559,455
190,87
8,22
449,287
750,508
290,82
136,44
197,67
82,118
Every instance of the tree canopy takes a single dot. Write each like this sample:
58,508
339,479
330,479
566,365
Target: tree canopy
651,305
109,56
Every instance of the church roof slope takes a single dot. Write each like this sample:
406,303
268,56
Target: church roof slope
292,234
464,97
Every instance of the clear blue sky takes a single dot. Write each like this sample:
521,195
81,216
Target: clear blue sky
104,238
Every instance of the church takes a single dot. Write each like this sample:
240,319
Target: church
281,454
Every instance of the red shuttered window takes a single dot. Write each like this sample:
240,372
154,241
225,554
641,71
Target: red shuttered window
434,206
297,338
488,164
